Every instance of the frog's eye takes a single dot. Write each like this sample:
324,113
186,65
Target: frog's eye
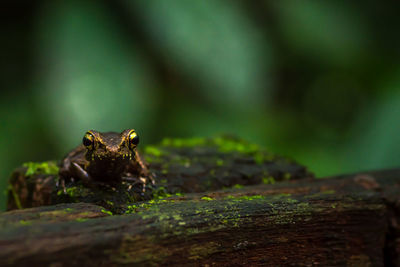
88,140
133,139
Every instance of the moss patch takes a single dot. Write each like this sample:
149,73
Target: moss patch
207,164
35,168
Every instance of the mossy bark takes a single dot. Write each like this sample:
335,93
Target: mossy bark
216,202
349,220
179,166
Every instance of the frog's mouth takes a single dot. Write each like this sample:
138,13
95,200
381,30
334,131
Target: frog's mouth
106,167
111,158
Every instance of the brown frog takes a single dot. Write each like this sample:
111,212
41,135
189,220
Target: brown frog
106,158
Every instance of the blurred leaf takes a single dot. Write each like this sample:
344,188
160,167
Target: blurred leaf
377,138
215,44
332,101
327,31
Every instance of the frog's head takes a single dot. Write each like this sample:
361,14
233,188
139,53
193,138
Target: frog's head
110,147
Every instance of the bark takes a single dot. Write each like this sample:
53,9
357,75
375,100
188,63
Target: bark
345,220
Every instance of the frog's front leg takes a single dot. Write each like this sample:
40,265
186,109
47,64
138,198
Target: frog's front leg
82,174
144,172
139,182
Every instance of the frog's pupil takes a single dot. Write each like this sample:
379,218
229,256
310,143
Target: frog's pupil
86,141
135,140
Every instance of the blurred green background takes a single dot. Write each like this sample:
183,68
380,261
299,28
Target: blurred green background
317,80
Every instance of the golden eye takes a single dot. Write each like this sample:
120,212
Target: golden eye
133,139
88,140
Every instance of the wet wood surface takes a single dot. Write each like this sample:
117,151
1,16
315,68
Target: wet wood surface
348,220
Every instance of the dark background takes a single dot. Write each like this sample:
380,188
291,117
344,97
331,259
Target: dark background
316,80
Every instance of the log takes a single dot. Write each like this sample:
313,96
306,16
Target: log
179,166
346,220
216,202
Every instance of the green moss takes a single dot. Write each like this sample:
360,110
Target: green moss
183,161
47,167
81,219
186,142
160,192
139,207
75,192
303,205
303,212
259,158
282,195
68,209
199,251
24,222
328,192
321,194
287,176
53,213
238,186
291,200
149,254
229,145
72,191
219,162
249,198
207,198
223,143
153,150
106,211
235,145
268,180
15,196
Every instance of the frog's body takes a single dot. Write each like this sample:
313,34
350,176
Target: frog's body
106,158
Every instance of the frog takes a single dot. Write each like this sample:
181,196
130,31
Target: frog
106,158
